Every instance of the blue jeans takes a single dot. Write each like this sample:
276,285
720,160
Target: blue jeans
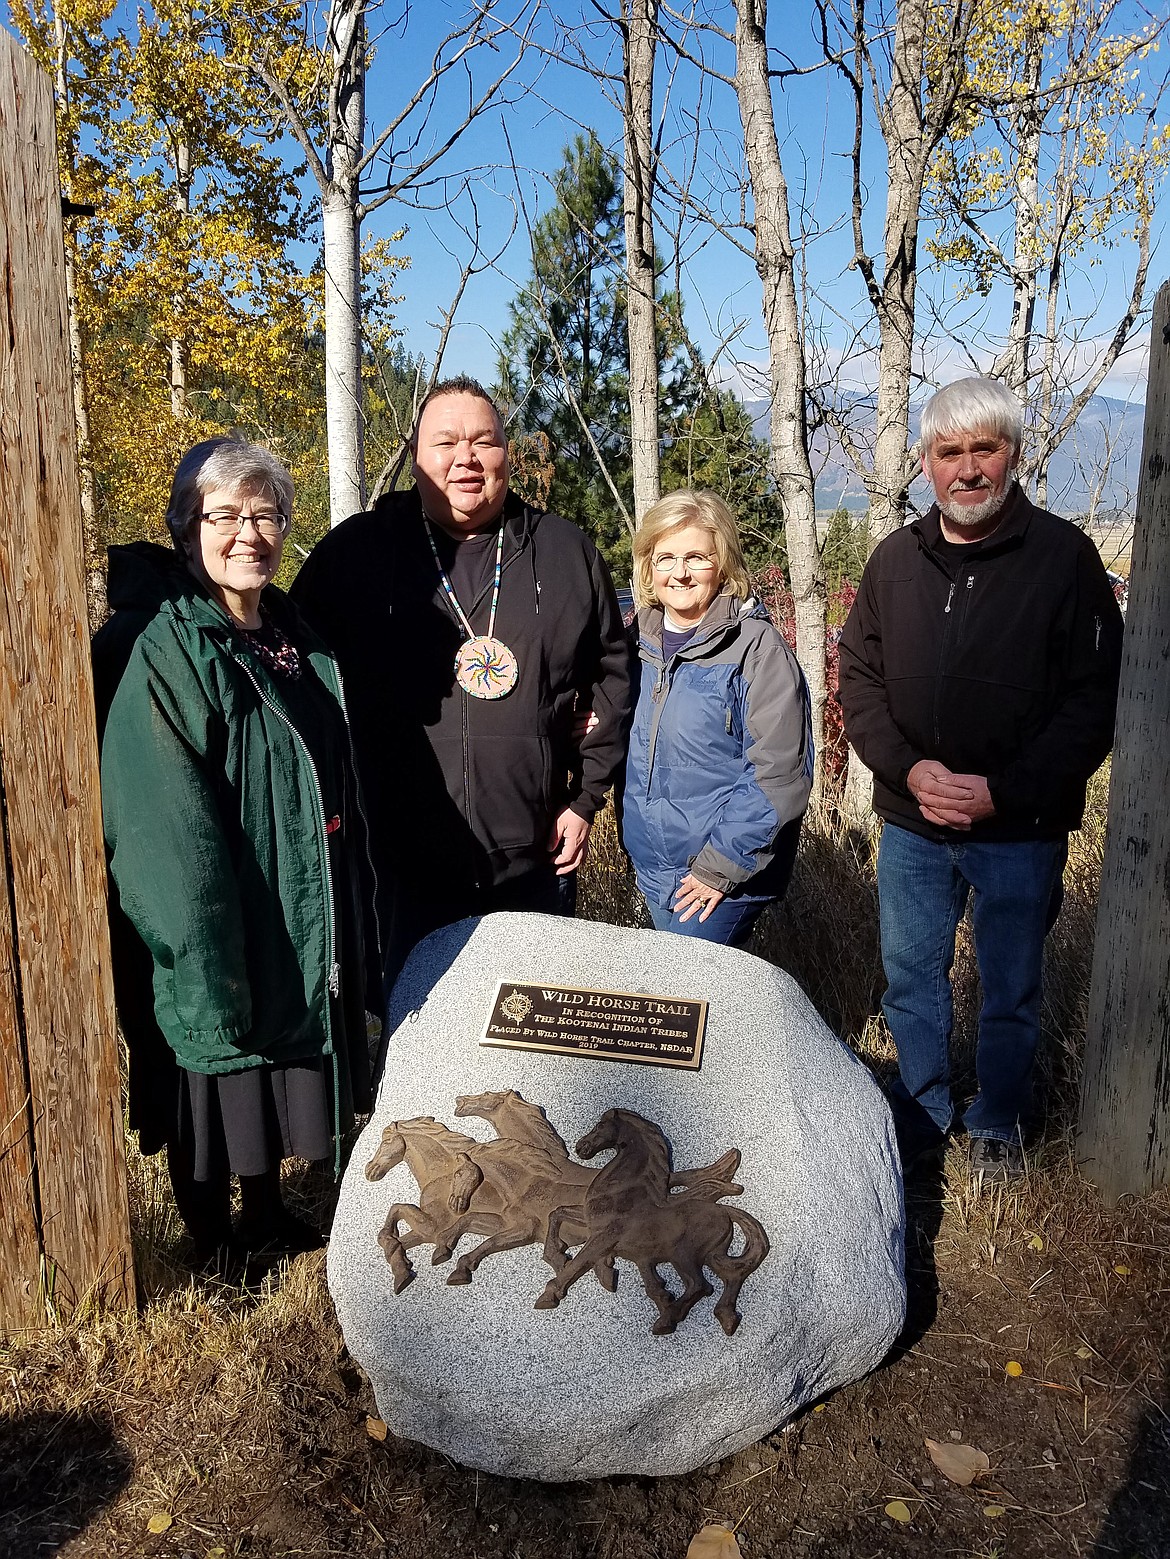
731,922
923,887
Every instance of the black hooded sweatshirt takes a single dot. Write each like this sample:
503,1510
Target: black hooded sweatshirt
464,791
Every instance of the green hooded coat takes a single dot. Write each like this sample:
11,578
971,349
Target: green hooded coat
218,819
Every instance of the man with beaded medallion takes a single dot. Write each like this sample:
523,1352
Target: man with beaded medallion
470,627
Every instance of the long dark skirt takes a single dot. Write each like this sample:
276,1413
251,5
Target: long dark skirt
246,1122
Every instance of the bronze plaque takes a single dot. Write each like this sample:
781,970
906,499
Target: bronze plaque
569,1020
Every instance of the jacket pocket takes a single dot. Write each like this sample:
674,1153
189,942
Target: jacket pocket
510,791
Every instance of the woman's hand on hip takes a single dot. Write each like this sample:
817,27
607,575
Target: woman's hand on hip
693,896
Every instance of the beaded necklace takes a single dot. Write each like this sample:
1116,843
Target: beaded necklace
484,666
272,647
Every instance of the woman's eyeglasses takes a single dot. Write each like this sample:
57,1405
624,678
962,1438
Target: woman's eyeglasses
693,562
269,523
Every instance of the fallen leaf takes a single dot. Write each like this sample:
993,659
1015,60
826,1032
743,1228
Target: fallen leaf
1122,1272
160,1521
1084,1353
898,1510
376,1429
994,1510
714,1542
216,1553
1013,1369
960,1463
1036,1243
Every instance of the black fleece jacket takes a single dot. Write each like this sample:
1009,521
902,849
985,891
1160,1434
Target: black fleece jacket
1003,661
461,788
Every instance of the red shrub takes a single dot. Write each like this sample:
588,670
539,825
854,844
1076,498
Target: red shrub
773,590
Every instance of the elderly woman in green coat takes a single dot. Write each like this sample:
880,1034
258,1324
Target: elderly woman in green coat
245,944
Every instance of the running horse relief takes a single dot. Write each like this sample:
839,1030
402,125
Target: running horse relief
523,1188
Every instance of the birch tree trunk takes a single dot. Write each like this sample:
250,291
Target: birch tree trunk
775,262
914,96
341,222
1014,364
639,21
182,205
906,159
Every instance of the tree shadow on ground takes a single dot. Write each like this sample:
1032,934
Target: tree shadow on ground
1137,1523
57,1472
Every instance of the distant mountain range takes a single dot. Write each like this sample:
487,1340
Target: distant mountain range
1101,455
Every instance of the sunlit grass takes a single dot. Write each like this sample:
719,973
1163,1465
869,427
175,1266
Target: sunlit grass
192,1405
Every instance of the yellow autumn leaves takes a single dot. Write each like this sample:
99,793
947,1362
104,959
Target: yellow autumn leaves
197,312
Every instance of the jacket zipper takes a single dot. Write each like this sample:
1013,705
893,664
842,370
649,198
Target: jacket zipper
966,603
334,980
657,703
661,688
944,644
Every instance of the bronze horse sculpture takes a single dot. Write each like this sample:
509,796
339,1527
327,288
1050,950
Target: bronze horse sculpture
523,1188
503,1189
510,1115
631,1211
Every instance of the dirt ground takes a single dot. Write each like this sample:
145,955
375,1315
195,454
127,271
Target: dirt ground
1038,1332
241,1422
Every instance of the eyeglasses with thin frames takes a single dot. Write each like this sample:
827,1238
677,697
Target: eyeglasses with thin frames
693,562
270,524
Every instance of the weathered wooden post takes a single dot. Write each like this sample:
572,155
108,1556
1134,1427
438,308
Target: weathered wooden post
64,1228
1123,1142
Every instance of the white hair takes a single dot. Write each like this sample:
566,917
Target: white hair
975,405
227,463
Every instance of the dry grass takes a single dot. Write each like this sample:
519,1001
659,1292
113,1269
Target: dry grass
237,1414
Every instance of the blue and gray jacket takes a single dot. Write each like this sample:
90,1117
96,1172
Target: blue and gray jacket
720,757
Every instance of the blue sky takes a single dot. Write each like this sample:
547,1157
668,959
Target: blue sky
502,166
720,285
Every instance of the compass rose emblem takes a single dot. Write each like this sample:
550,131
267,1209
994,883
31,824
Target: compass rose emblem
516,1007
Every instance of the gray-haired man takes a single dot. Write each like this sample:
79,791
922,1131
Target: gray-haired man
978,681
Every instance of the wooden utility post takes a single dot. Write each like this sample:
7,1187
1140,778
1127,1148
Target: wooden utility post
64,1228
1123,1143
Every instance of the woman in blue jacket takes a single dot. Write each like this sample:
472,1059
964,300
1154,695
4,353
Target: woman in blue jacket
720,759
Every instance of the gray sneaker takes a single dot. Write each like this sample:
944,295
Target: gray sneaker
994,1162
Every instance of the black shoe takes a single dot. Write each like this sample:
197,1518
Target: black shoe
283,1235
920,1153
994,1162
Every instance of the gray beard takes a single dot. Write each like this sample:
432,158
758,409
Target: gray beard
964,516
